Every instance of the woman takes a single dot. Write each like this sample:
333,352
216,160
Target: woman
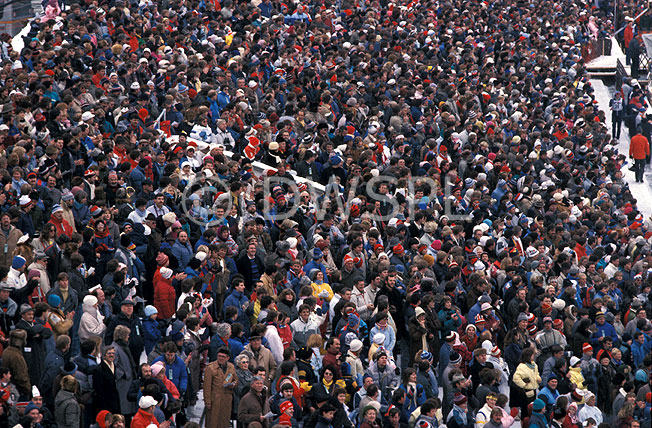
287,303
341,417
415,395
325,389
320,289
164,293
525,382
104,247
245,376
67,411
104,383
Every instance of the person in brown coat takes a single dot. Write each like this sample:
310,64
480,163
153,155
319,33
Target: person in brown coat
12,358
220,378
254,405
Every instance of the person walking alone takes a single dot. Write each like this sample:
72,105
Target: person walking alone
639,149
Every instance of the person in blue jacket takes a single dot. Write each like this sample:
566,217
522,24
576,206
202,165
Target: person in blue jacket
604,329
238,300
151,332
175,368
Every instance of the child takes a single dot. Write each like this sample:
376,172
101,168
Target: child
152,334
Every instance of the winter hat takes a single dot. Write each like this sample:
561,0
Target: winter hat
33,274
379,338
18,262
538,405
31,406
156,368
162,259
459,399
355,345
89,300
166,273
354,320
150,310
54,300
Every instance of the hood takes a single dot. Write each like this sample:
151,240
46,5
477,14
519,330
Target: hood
62,397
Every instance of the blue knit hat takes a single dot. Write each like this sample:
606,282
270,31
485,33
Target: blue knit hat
54,300
538,405
18,262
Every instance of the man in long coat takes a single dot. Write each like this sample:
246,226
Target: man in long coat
220,379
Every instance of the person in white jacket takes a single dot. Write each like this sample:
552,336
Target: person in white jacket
273,338
16,276
92,322
590,410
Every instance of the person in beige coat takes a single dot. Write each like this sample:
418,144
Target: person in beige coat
261,356
220,379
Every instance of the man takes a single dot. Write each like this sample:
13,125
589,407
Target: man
8,309
254,405
35,350
251,266
616,106
220,379
127,318
639,149
8,240
61,226
262,357
53,363
12,358
145,415
175,368
484,414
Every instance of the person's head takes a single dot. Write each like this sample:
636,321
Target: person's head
223,356
257,384
170,351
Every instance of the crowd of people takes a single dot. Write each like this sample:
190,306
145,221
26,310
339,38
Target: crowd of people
313,214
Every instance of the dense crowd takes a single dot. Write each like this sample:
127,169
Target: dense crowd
360,214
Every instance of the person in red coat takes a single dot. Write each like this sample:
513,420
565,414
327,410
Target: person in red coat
639,149
145,415
164,294
61,226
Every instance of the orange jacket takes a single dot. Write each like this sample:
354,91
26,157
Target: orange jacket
639,147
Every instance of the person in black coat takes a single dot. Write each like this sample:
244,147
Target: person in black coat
127,318
104,384
37,334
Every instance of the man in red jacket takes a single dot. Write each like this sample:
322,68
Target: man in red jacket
639,149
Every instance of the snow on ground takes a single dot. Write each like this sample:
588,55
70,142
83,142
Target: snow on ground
641,191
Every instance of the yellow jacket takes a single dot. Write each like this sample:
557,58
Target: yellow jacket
318,288
527,378
576,377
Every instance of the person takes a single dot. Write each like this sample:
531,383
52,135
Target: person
220,380
67,409
526,381
12,359
616,106
145,415
538,419
254,405
459,416
639,149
